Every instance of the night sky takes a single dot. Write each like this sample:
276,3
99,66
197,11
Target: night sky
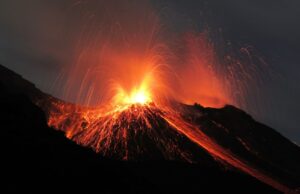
35,41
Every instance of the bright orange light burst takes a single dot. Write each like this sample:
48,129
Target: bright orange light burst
140,96
137,96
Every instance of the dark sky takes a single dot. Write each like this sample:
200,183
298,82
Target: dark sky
33,42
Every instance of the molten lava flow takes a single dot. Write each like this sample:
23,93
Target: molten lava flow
139,129
135,124
123,86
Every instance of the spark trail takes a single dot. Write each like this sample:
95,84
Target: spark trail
130,83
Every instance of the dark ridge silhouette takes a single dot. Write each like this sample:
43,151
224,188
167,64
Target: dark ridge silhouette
39,159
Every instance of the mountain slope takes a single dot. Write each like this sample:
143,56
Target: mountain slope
46,153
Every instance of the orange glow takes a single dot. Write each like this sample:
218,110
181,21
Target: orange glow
124,77
137,95
111,130
128,61
200,81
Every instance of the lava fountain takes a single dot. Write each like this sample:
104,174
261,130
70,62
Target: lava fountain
128,89
134,127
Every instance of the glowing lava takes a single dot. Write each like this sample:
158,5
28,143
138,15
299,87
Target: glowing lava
140,95
138,130
123,80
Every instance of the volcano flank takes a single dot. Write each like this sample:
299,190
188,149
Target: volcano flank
142,147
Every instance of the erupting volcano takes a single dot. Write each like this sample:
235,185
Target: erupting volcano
137,125
141,125
142,112
134,91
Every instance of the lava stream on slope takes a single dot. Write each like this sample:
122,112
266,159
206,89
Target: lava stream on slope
146,131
